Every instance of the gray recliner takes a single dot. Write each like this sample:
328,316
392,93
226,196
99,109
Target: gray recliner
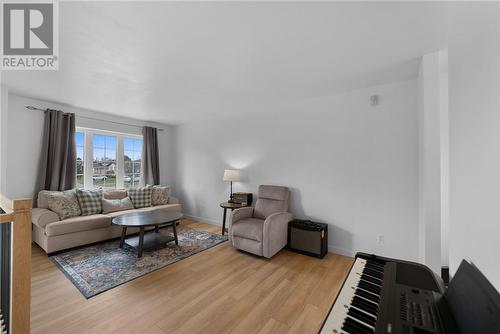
263,229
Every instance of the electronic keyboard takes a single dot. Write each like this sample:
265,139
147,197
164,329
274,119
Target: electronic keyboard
382,295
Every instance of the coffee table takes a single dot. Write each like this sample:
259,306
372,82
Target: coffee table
142,220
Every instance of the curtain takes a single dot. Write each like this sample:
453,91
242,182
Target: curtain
56,169
150,165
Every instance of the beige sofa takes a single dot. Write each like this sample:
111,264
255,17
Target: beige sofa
54,235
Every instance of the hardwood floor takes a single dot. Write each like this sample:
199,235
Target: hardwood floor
220,290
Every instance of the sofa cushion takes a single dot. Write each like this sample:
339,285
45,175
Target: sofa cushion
64,203
77,224
42,201
90,201
249,228
166,207
140,196
113,205
173,200
159,195
41,217
121,213
115,194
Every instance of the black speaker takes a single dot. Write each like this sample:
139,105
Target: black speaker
308,238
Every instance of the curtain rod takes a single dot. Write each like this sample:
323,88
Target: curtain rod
92,118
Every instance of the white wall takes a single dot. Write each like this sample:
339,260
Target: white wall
474,73
347,163
444,143
24,134
433,158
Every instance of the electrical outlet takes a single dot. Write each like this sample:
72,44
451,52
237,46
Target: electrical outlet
380,239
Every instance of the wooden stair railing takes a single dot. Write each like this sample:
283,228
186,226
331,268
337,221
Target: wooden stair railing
18,213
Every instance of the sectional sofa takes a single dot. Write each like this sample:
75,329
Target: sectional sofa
53,234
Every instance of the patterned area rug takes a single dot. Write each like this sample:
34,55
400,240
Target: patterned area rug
97,268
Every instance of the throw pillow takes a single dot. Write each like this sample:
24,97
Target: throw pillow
141,196
64,203
90,201
159,195
114,193
114,205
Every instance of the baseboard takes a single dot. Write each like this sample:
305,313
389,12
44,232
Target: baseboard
331,248
341,251
204,220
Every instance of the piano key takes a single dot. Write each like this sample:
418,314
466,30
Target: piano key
353,326
367,295
347,299
374,273
371,279
374,263
343,301
350,329
361,316
369,287
347,328
365,305
374,268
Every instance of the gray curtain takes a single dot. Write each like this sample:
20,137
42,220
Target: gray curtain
150,165
56,169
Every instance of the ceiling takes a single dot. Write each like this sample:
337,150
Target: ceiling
174,62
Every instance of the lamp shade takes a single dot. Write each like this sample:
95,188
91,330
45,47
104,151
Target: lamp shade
231,175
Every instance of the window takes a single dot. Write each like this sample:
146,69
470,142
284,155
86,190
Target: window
80,145
104,163
132,161
107,160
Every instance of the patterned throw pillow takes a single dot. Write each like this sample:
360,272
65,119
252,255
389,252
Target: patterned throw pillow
64,203
90,201
159,196
141,196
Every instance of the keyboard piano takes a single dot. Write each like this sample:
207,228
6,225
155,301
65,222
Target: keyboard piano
382,295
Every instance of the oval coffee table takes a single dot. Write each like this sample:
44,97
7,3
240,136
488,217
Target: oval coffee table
142,220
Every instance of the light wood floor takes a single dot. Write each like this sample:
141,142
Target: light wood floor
220,290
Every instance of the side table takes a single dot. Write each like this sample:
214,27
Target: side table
232,206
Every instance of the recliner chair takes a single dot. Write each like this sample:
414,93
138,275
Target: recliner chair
263,229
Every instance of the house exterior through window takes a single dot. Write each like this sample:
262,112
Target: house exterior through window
107,159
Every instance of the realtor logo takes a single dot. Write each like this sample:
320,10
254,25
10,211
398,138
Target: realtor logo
29,35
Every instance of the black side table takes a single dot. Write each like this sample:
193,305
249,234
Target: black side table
232,206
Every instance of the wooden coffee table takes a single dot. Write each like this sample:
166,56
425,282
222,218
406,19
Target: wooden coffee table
142,220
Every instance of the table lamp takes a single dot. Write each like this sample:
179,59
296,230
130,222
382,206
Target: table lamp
231,175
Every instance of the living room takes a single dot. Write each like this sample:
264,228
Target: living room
229,166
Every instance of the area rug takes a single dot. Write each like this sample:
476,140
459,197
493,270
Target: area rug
96,268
